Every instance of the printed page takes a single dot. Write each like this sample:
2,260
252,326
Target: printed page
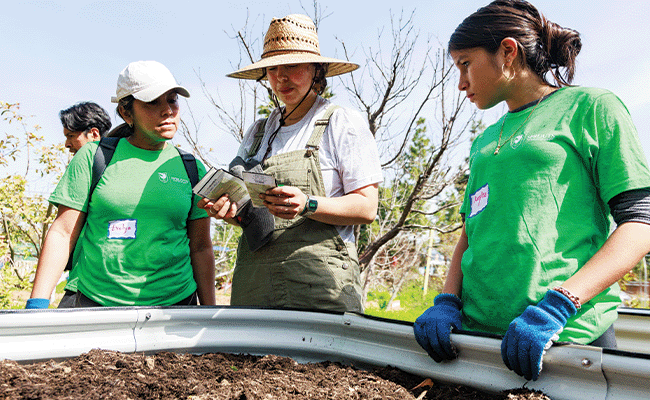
218,182
258,183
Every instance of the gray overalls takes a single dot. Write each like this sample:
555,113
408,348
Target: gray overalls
306,264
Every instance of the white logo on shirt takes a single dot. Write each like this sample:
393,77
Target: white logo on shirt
516,141
164,178
479,200
180,180
122,229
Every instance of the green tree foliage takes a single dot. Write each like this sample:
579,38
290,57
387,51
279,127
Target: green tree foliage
25,217
225,240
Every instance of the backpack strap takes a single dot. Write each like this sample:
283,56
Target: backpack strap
192,170
103,156
257,139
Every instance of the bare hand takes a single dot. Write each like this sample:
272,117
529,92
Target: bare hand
284,201
223,208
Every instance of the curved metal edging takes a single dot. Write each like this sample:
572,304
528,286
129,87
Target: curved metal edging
37,335
627,374
570,372
633,330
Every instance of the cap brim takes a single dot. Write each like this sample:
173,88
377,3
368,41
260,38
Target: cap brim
152,93
256,70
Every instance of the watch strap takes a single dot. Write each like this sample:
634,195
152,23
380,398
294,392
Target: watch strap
310,207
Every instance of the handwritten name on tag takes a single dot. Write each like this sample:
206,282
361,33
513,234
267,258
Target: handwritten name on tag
479,200
122,229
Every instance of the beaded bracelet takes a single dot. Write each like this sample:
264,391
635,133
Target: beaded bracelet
574,299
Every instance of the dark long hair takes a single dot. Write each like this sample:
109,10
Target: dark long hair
544,45
320,83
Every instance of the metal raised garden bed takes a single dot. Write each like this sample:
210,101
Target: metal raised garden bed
570,371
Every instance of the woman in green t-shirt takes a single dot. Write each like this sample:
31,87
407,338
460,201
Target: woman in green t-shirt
140,239
535,261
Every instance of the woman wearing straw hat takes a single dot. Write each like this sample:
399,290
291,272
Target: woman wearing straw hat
325,162
144,241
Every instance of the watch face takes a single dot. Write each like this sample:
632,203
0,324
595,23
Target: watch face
312,205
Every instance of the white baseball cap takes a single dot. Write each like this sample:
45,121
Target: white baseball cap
146,81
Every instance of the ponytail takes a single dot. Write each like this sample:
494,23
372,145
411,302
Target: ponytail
545,46
561,46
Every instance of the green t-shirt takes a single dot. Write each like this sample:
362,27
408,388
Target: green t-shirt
134,249
537,211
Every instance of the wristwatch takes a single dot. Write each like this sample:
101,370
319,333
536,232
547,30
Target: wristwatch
310,206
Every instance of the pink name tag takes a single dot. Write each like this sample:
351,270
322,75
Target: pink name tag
122,229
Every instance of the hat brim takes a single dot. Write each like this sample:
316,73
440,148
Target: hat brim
153,92
256,70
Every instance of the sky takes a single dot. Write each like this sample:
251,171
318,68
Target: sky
57,53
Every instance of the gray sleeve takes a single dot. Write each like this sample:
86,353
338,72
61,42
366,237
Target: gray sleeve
631,206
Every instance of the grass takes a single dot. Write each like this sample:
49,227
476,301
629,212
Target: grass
412,302
11,287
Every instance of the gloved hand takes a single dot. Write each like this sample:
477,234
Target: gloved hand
37,303
533,332
433,328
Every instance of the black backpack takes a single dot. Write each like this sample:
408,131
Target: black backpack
103,157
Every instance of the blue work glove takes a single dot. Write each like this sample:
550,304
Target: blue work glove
433,328
37,303
533,332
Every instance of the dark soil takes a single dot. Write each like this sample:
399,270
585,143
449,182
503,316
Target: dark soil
102,374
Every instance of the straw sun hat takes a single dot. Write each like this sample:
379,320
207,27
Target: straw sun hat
292,40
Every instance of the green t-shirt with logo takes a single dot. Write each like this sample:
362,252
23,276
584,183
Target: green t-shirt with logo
134,249
537,211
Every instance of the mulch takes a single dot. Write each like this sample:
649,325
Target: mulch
102,374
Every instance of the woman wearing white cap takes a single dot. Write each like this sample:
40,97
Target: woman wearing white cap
326,165
144,241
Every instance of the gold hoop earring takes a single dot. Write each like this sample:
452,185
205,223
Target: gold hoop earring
508,77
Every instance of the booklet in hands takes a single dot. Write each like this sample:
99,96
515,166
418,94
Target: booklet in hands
258,183
218,182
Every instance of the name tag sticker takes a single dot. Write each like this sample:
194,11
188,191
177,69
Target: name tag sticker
122,229
479,200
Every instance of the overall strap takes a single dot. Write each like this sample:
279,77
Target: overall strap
257,139
192,170
319,128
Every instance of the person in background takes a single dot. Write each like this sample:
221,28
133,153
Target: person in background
326,165
145,242
82,123
536,261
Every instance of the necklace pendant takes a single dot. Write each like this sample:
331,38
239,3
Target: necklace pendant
496,151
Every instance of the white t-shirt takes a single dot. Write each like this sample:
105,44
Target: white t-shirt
348,152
